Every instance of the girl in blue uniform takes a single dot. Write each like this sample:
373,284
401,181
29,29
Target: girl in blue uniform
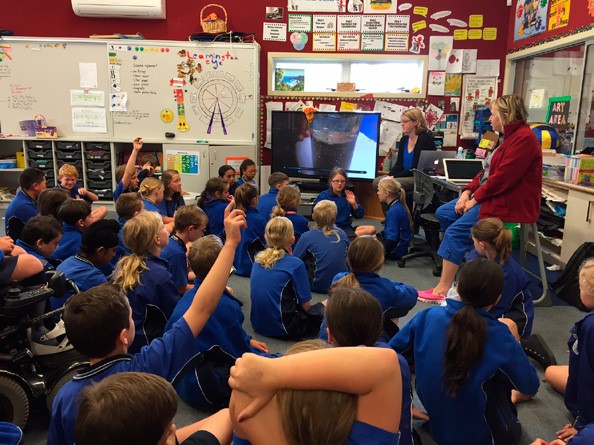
283,405
252,238
145,277
213,200
468,362
224,329
346,202
288,200
397,229
279,288
247,173
172,195
227,173
152,191
323,249
575,380
127,175
365,258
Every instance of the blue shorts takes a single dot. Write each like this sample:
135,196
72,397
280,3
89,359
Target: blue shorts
457,239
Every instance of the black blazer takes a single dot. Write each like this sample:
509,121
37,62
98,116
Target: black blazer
424,142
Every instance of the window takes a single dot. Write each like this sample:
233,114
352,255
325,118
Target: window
319,74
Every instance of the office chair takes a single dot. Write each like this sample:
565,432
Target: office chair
424,218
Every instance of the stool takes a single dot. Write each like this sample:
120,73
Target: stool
525,228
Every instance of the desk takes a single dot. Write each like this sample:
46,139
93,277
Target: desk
444,184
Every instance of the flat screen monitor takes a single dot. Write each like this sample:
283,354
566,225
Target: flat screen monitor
333,139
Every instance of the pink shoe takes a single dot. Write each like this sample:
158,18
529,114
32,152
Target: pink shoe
427,296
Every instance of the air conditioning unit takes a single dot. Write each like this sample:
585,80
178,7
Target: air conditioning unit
132,9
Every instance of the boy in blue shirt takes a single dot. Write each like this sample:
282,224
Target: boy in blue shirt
40,237
68,176
267,202
189,225
24,205
98,246
127,207
99,325
75,216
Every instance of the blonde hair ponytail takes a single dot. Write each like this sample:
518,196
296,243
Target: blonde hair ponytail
393,188
324,214
279,232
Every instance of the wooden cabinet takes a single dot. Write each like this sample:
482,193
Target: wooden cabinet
579,222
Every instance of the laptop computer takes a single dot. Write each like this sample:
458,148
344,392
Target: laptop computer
431,161
462,171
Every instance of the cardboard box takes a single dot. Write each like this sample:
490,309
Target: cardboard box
487,144
579,169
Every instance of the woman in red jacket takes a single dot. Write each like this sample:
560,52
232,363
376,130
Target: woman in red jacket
508,188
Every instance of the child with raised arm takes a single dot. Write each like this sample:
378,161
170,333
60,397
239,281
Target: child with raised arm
288,199
99,325
252,240
207,386
127,175
286,400
145,278
365,257
282,307
467,362
323,249
68,175
277,181
213,200
397,229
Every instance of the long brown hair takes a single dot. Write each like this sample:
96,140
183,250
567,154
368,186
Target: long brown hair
167,177
492,231
288,197
244,196
213,185
365,254
479,286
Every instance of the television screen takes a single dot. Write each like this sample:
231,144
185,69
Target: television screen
333,139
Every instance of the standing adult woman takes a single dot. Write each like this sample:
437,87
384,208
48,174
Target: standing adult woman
507,188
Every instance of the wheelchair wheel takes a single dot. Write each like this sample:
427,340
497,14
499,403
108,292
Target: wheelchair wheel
64,378
14,403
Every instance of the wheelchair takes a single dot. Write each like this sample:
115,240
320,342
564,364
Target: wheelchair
29,371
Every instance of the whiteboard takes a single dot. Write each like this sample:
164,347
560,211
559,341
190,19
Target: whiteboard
205,93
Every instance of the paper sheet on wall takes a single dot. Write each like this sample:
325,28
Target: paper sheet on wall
87,75
89,120
185,162
477,91
316,5
327,107
275,32
432,115
488,67
83,98
389,110
270,106
439,50
436,83
390,132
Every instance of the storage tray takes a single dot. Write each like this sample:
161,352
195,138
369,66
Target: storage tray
96,164
68,155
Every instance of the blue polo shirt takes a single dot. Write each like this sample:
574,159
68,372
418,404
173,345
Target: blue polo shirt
397,229
396,299
503,361
275,295
74,192
32,251
344,211
150,206
223,329
215,210
175,254
267,202
167,207
121,189
84,274
164,357
121,250
20,210
252,241
300,223
324,256
152,300
69,244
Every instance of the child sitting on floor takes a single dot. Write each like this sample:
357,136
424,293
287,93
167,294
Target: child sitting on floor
252,240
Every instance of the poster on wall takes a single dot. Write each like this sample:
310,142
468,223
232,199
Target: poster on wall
439,50
477,91
558,111
530,18
559,14
379,6
316,5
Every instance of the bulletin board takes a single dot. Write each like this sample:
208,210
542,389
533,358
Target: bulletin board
198,92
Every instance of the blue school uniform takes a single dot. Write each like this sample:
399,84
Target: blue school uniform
276,294
121,189
324,256
252,242
223,329
32,251
175,254
516,299
239,182
164,357
153,299
84,274
395,298
215,210
484,398
74,192
585,436
150,206
343,208
300,223
20,210
579,393
69,244
121,250
167,207
396,234
267,202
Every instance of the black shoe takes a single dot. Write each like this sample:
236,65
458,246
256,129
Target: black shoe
535,347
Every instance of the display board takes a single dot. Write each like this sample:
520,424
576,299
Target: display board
161,90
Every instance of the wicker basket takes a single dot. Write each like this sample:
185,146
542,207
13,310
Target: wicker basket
213,26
